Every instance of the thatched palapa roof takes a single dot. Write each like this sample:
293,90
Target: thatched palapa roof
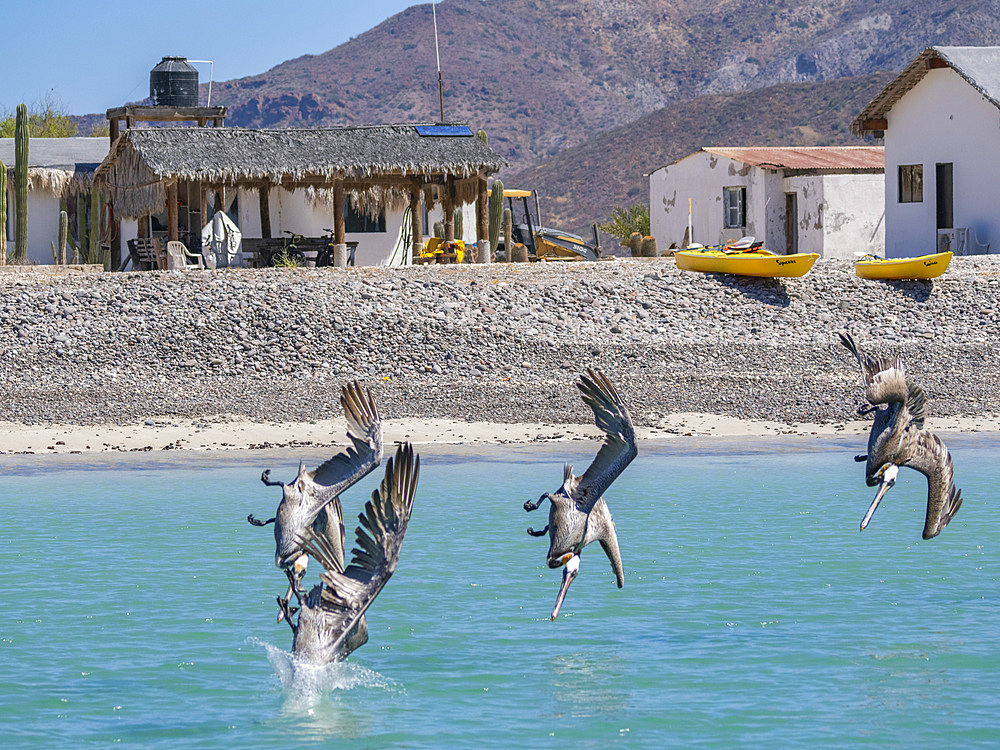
377,162
61,166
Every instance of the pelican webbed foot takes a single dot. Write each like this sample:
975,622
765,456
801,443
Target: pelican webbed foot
530,506
254,521
266,479
286,612
543,532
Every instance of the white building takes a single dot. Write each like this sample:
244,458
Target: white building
58,169
824,199
941,125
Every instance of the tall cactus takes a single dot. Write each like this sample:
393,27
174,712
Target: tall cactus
496,214
457,217
3,213
21,184
439,229
63,236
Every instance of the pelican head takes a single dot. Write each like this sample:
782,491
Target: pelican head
570,571
887,475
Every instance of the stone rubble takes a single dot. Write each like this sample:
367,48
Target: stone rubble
500,343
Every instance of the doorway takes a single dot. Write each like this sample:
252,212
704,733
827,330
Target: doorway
944,187
791,223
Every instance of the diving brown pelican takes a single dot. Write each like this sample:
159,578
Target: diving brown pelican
899,438
578,513
309,500
331,622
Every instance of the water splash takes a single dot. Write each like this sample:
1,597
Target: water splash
305,684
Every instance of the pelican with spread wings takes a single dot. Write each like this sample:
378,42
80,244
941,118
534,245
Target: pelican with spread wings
331,617
310,500
899,438
578,513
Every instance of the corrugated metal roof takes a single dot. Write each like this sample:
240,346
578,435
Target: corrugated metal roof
806,157
59,153
979,66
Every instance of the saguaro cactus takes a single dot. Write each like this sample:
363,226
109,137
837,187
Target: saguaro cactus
496,214
21,184
63,236
457,217
3,213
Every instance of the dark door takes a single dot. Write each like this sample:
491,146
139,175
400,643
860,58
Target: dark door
791,223
945,196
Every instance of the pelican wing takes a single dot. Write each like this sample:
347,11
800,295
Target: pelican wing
619,447
348,593
364,428
930,457
884,377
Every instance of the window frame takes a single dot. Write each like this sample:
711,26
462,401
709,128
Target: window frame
357,222
740,207
910,183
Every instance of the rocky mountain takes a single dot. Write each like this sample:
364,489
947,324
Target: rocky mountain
544,75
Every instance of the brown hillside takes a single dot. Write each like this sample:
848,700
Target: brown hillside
584,184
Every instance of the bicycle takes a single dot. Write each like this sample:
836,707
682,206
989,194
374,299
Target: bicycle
289,254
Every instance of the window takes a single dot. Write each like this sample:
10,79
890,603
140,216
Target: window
735,200
357,221
911,183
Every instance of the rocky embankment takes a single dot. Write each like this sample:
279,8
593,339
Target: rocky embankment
496,343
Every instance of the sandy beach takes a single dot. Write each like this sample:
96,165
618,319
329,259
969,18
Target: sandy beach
231,433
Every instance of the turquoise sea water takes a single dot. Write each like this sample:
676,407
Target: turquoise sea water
138,607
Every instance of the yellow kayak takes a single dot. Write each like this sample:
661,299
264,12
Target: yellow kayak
921,267
753,262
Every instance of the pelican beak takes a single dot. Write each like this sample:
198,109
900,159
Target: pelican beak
888,480
569,573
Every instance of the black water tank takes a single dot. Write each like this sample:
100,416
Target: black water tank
174,83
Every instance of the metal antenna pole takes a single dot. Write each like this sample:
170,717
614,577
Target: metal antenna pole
437,54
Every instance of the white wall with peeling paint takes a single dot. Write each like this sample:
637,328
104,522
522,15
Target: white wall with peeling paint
942,119
838,213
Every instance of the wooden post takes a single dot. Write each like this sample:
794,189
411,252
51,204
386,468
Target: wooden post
116,228
448,206
415,223
265,210
142,229
483,222
339,225
172,233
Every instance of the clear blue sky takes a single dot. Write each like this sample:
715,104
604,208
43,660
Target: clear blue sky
93,55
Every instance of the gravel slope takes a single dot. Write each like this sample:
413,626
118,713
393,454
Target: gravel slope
498,343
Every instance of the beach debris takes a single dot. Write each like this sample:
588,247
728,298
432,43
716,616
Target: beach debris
898,438
578,513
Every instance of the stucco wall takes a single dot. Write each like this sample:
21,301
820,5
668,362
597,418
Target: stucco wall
837,214
942,119
699,177
853,215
